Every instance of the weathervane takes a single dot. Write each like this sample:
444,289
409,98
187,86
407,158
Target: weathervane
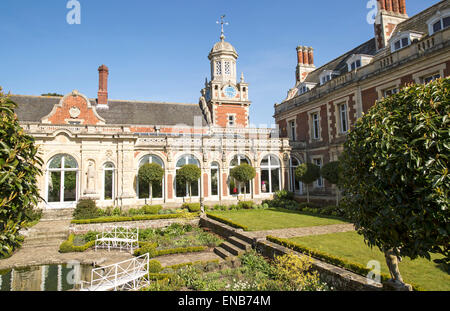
222,36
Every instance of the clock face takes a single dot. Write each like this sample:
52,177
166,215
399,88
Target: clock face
230,91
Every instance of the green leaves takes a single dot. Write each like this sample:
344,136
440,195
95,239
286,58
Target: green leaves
243,172
188,173
307,172
19,168
150,172
395,168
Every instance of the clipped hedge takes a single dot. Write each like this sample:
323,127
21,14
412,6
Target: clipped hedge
193,263
68,247
227,222
132,218
351,266
150,248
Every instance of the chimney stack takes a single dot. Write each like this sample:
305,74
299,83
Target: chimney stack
102,99
305,62
393,6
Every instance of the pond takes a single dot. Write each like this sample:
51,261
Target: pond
44,278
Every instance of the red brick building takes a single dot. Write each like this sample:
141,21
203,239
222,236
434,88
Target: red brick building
326,101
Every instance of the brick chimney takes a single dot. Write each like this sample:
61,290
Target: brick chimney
102,99
305,62
390,14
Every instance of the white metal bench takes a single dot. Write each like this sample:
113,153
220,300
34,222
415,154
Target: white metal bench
130,274
122,238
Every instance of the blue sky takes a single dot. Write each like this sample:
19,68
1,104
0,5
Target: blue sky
157,50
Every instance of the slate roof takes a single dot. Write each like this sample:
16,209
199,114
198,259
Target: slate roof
340,63
120,112
418,22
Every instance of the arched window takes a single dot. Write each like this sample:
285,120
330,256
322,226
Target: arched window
270,174
235,186
62,179
183,191
154,190
214,184
296,186
108,181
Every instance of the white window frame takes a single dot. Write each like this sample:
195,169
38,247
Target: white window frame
150,160
319,182
186,158
341,119
292,179
419,76
439,17
113,169
62,170
239,157
269,166
313,136
292,135
218,67
214,166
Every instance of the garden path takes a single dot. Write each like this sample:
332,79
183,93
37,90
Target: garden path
297,232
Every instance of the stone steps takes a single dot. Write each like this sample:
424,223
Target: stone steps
232,247
57,214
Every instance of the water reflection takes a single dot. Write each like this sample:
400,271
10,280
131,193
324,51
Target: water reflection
44,278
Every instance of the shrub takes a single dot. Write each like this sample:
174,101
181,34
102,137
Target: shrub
307,173
192,207
149,248
154,266
151,209
68,246
19,169
86,209
246,204
284,195
226,221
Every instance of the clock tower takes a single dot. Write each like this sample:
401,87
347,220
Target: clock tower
224,100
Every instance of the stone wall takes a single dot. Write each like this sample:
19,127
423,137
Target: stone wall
143,224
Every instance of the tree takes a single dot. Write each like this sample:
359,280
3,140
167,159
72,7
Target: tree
150,173
19,168
330,172
188,174
396,185
243,173
307,173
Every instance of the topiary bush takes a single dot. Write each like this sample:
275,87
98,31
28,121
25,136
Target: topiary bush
154,266
192,207
86,209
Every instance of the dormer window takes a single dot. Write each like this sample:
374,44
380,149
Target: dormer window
355,64
327,75
400,44
358,60
439,22
305,87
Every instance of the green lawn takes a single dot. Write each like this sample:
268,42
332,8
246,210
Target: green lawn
351,246
275,218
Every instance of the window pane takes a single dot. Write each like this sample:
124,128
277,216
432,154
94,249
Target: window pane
214,181
234,162
274,161
275,179
156,190
194,188
109,184
109,165
193,160
181,189
446,21
70,162
405,42
56,162
144,190
265,161
157,160
397,45
54,187
437,26
265,188
70,186
181,162
244,160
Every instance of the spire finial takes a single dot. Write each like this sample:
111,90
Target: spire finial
222,36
